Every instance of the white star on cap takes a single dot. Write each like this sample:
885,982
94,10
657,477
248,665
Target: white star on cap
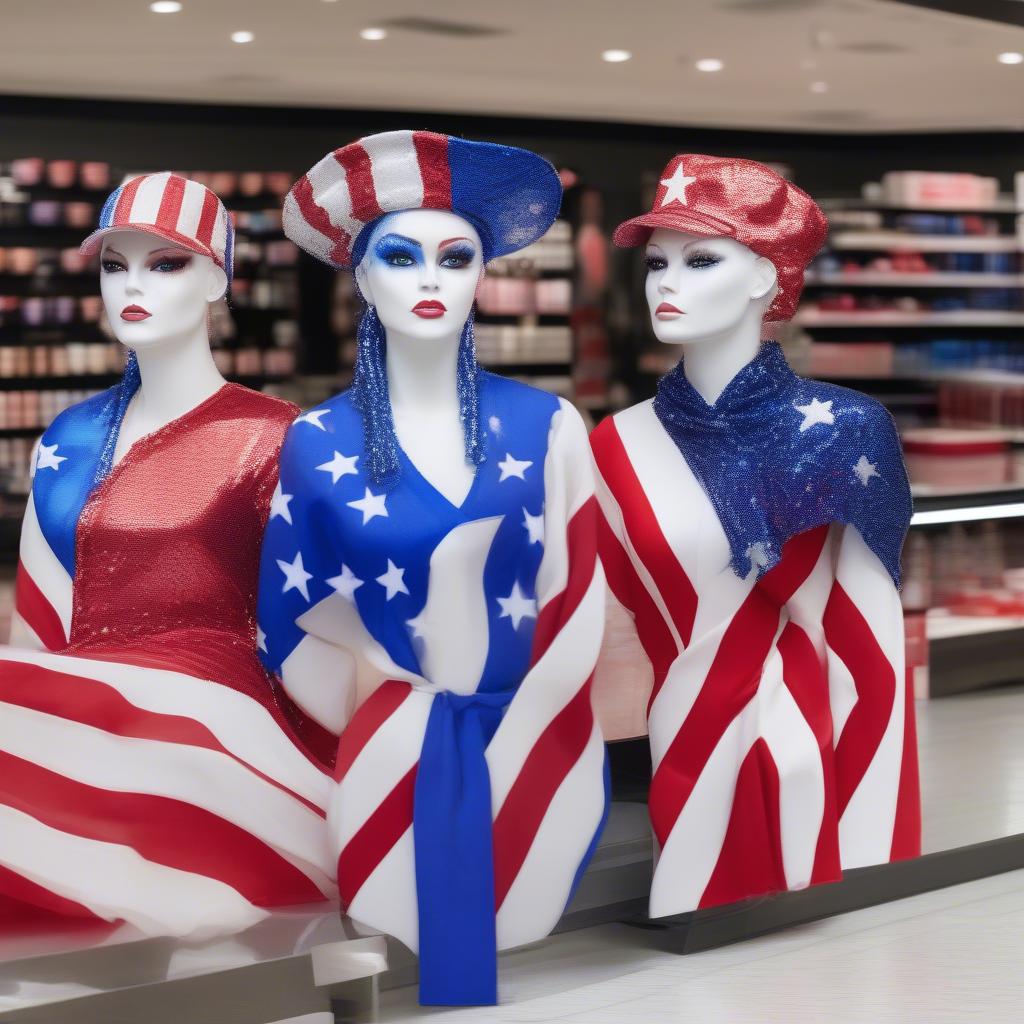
675,187
512,466
814,413
393,581
295,576
517,606
314,418
534,526
279,504
48,457
371,505
346,584
339,466
865,470
261,639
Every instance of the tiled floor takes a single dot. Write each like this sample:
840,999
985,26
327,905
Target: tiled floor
947,957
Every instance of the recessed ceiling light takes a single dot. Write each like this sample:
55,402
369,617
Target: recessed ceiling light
616,56
373,34
710,64
1011,57
819,86
165,7
242,37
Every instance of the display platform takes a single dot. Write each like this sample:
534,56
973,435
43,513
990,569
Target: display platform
306,964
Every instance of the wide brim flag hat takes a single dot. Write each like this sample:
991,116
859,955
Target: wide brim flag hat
510,195
742,199
173,208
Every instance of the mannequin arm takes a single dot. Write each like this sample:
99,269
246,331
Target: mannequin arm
872,711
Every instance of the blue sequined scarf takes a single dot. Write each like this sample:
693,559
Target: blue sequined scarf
777,455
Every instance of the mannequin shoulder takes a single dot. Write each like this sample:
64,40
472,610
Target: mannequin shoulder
503,397
639,417
83,413
852,411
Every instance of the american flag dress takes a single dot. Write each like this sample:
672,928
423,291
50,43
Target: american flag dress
452,647
780,725
150,772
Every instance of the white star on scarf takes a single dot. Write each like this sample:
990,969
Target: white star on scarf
393,581
261,640
865,470
339,466
534,527
48,457
511,466
346,584
279,504
517,606
814,413
314,418
295,576
370,504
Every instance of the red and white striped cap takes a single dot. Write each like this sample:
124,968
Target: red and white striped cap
171,207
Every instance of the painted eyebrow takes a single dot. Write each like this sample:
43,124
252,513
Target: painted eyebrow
394,236
112,252
457,238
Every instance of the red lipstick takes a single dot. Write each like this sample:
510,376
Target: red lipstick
666,311
430,309
135,313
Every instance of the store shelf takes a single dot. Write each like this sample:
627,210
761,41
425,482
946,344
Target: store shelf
870,279
810,317
868,241
1004,204
936,508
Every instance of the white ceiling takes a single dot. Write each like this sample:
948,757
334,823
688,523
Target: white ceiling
887,66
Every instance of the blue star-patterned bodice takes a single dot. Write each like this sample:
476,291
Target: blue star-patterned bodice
332,530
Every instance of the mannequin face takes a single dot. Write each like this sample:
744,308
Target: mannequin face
703,288
421,272
142,274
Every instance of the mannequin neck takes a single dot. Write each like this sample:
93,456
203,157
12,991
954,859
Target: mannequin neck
710,363
175,377
422,375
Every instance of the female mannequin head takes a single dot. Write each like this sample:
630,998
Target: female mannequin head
700,288
156,293
420,271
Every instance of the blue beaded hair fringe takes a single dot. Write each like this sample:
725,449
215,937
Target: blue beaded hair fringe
371,398
126,388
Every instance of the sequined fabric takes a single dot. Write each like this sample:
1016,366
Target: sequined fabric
778,455
742,199
168,549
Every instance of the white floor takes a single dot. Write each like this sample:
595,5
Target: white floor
950,956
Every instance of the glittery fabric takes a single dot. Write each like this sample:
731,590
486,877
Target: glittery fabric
370,396
742,199
129,383
168,550
778,455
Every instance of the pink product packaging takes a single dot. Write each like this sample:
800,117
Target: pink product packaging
957,460
225,360
62,173
860,359
554,296
95,174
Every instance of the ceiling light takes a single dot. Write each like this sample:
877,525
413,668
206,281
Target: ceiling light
819,87
242,37
616,56
165,7
710,64
1011,57
373,34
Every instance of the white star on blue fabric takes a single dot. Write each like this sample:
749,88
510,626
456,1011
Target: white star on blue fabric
814,413
261,639
416,625
339,466
675,187
495,424
393,581
295,576
865,470
48,458
757,554
314,418
370,504
517,606
534,527
279,504
511,466
346,584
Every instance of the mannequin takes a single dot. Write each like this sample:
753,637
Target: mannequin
751,530
439,544
153,773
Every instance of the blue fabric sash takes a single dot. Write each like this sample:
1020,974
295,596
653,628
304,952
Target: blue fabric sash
452,830
778,455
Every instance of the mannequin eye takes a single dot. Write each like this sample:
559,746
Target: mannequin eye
398,258
456,259
702,260
112,266
170,264
655,262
